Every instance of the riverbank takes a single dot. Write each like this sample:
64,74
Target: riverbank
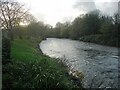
106,39
31,69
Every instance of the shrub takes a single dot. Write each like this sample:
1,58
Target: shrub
105,39
38,74
6,46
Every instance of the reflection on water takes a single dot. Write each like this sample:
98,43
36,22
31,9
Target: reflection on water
98,63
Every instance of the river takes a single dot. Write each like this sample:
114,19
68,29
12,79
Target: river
98,63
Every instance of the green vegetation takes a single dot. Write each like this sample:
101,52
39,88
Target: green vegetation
23,64
6,45
83,26
30,69
101,39
93,27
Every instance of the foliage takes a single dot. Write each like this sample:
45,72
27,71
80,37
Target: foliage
106,39
107,27
39,74
6,48
88,26
11,14
85,25
32,70
63,29
92,23
37,29
75,29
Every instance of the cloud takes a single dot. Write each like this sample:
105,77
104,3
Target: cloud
107,8
52,11
85,6
67,19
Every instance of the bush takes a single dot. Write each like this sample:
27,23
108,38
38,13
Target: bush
6,46
38,74
105,39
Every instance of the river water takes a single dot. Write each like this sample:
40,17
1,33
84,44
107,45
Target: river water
98,63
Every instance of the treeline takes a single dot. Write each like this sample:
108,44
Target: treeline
92,23
90,27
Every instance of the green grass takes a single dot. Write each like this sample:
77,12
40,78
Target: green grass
23,50
30,69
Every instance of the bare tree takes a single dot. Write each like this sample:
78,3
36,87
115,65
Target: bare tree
11,14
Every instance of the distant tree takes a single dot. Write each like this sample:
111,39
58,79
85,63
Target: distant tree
90,24
116,22
116,18
38,29
85,25
33,29
62,29
75,28
107,27
57,29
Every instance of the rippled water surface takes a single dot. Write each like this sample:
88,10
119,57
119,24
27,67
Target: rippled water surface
98,63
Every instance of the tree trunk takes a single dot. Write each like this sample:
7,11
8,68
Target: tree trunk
11,31
10,35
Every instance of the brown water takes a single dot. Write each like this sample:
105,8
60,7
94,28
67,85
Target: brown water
98,63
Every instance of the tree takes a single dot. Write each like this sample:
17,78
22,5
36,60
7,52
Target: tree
107,27
74,32
11,14
57,29
116,22
38,29
65,29
61,30
88,24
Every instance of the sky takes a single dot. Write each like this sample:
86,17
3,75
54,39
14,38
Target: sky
53,11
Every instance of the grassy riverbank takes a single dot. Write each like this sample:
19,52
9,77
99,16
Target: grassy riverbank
30,69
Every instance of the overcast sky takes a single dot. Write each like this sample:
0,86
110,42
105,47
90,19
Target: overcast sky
53,11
